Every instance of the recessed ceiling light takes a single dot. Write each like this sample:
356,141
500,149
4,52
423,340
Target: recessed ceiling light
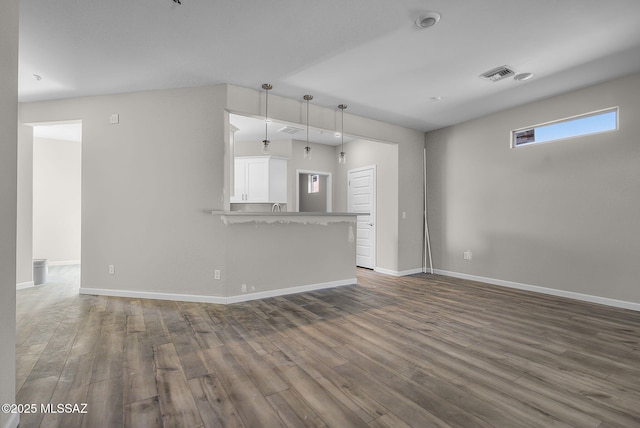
522,76
337,135
428,20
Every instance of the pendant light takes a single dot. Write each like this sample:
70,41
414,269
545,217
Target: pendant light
307,149
342,156
265,143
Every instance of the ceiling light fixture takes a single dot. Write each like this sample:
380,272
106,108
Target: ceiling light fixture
428,20
307,149
265,143
342,156
522,77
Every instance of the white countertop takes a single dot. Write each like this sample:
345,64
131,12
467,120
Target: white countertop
237,217
284,213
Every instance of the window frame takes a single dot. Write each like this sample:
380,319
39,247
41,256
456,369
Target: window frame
313,184
615,109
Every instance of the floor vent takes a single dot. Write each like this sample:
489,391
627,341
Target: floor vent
498,73
290,130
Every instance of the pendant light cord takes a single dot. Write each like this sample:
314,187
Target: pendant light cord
342,131
307,149
265,142
342,107
266,116
307,98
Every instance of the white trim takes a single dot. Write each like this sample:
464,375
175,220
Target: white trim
398,273
544,290
63,263
291,290
153,295
221,300
373,215
13,421
23,285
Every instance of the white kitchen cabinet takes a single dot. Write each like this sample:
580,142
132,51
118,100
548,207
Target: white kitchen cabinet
260,179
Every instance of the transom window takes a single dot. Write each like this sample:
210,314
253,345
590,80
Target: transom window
575,126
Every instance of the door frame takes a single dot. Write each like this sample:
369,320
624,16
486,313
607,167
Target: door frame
373,214
329,187
28,191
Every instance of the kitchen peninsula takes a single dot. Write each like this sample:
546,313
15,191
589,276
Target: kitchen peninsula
271,254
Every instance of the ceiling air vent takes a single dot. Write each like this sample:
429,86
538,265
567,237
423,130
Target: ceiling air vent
290,129
498,73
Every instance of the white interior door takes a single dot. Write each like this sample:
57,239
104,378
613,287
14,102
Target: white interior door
361,198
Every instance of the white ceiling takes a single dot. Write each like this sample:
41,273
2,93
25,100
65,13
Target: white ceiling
59,131
252,129
368,54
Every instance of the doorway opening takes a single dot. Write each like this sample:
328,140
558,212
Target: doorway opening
313,191
57,199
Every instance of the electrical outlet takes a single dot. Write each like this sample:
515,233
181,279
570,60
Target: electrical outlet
112,270
216,274
467,255
404,214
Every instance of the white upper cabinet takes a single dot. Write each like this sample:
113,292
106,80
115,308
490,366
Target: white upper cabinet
260,179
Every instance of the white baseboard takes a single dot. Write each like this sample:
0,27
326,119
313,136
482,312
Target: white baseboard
63,263
23,285
544,290
153,295
398,273
291,290
13,421
222,300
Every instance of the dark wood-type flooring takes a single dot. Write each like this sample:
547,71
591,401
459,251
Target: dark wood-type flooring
420,351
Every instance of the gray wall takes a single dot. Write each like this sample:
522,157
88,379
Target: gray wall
310,250
8,195
148,186
56,200
278,148
562,215
150,182
24,244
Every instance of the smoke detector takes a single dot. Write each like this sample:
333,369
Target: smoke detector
522,77
498,73
428,20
